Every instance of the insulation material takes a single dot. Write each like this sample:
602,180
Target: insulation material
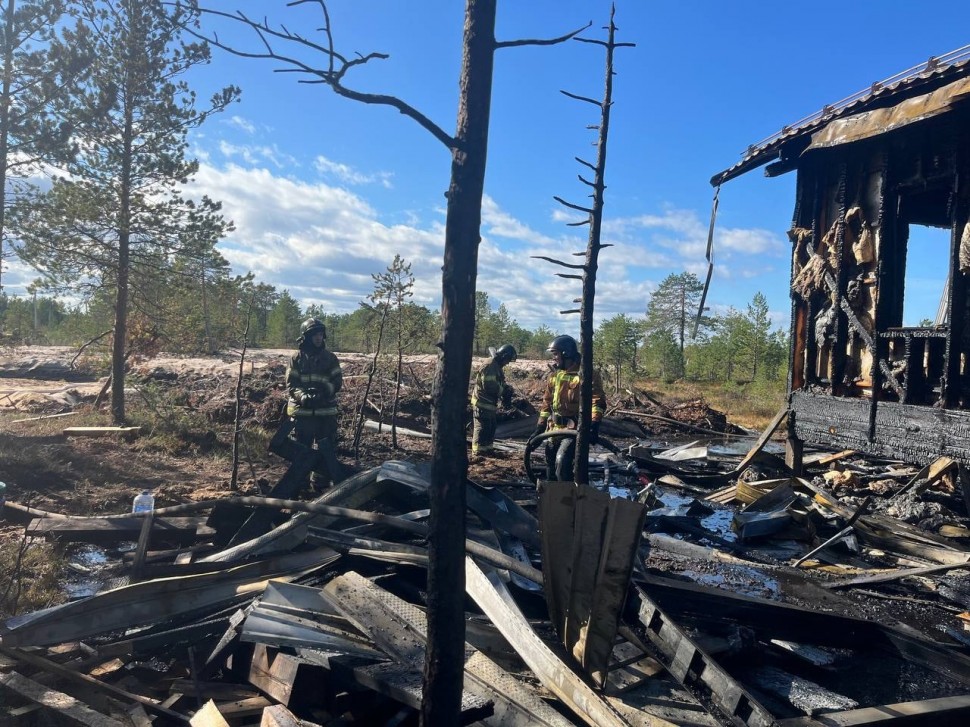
858,234
811,277
965,249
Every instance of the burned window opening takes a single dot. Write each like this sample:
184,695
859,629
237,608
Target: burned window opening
926,284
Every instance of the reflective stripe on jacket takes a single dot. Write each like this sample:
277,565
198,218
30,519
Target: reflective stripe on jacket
560,402
489,386
313,372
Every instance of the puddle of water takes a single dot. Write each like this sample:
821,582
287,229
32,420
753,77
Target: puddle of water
719,522
97,572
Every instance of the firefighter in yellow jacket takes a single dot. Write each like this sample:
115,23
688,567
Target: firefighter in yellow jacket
313,379
560,408
490,389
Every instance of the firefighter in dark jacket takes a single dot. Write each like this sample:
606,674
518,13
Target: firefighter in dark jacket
313,379
560,408
490,389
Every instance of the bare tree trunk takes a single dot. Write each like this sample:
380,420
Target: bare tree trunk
581,466
359,424
124,269
397,397
209,348
236,420
444,662
10,32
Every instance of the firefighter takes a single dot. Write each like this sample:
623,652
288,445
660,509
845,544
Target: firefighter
313,379
560,407
490,389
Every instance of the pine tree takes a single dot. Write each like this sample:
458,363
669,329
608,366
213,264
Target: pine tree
283,323
615,345
673,305
41,66
116,217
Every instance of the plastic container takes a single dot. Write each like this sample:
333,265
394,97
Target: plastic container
143,502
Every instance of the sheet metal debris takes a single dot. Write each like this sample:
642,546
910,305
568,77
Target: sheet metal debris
672,590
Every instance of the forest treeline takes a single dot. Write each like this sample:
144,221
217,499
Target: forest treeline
738,345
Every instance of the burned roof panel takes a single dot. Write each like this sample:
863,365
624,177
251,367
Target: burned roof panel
919,79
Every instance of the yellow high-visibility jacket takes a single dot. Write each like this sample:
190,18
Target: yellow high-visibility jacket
490,386
560,402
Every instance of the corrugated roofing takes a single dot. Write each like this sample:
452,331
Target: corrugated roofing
918,79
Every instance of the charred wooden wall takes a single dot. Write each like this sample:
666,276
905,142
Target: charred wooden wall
858,375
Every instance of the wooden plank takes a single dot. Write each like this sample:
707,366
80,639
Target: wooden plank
352,492
557,506
621,541
104,531
942,711
244,707
273,672
208,716
760,442
894,575
143,537
138,716
822,458
551,671
694,669
279,716
589,524
101,431
513,704
65,705
50,666
223,691
403,684
629,676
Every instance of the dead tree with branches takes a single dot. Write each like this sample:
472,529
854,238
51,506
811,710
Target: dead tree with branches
444,663
586,272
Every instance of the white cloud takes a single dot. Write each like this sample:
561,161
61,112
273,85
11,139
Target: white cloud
501,224
347,174
240,123
323,242
256,154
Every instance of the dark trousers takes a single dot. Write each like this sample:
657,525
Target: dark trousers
483,433
560,454
309,431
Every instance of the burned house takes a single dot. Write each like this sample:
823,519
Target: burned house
878,176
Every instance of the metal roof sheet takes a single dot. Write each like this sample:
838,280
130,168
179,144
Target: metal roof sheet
918,79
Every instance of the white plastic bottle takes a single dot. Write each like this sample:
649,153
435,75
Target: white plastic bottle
143,502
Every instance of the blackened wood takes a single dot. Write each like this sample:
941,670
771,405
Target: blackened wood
67,707
449,458
63,671
915,434
104,531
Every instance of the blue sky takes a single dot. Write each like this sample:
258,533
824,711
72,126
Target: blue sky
324,191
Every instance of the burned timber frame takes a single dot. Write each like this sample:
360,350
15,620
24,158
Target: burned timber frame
870,170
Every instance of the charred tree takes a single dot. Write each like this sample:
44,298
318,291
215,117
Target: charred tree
444,665
587,271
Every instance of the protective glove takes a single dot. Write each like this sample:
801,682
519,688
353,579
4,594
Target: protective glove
326,390
507,398
540,428
308,399
594,432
